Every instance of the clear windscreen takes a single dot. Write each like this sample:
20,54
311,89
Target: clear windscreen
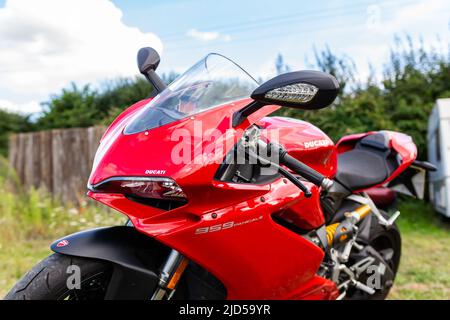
212,82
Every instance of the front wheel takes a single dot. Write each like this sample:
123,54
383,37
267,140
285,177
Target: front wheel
61,277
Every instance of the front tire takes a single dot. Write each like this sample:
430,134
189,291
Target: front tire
48,280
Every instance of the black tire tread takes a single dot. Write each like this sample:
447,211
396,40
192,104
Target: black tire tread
47,279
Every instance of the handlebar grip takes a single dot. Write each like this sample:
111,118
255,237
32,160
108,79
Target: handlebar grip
299,167
305,171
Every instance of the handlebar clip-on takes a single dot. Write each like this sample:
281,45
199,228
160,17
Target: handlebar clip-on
293,164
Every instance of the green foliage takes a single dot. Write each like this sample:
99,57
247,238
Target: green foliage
74,107
31,219
34,214
280,66
118,95
418,216
401,100
412,81
11,122
343,68
80,107
425,260
84,107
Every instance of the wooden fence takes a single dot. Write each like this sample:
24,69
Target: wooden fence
56,160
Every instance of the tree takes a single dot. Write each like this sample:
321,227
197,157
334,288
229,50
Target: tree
412,80
84,107
12,122
343,68
280,66
74,107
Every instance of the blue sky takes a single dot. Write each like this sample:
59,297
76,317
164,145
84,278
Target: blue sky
88,41
253,32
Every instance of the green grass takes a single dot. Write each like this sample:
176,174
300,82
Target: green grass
424,269
31,220
425,264
26,235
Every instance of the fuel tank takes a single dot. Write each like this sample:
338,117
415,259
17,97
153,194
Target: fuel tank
303,141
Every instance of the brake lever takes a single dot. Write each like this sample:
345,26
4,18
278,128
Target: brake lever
295,181
284,172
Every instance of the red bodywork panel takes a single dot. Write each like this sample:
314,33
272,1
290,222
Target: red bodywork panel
228,228
310,145
254,257
305,142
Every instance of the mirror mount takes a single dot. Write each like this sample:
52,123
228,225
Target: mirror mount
240,115
148,60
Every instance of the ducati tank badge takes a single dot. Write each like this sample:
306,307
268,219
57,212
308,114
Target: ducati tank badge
317,143
156,171
62,243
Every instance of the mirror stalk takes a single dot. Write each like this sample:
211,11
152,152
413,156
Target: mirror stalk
240,115
155,81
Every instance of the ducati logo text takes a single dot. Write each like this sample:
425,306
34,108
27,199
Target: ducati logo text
158,171
317,143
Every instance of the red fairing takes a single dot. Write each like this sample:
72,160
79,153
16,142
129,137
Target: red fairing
175,144
119,121
203,170
347,143
136,154
240,244
305,142
229,228
253,256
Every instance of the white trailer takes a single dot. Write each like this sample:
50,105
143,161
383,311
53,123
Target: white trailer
439,155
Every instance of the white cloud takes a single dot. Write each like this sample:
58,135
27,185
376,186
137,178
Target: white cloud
28,107
46,44
226,38
372,41
419,15
207,35
420,19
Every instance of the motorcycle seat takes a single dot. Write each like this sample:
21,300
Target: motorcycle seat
370,163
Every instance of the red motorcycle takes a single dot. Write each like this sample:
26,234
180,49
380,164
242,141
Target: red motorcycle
226,203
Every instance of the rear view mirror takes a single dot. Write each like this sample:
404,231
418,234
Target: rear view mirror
148,60
306,90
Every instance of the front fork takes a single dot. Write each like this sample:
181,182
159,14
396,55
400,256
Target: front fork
170,275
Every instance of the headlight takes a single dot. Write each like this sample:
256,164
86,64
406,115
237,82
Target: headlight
143,187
